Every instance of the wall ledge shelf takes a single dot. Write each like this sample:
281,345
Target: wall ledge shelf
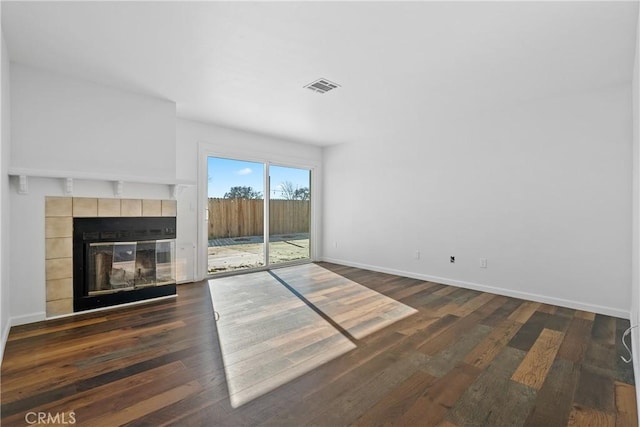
23,174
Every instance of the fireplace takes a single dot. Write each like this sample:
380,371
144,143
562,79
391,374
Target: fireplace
122,259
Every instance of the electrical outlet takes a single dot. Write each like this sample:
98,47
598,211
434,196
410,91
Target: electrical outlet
483,263
452,259
417,255
335,244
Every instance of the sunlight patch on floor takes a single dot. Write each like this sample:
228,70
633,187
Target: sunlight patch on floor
268,336
356,308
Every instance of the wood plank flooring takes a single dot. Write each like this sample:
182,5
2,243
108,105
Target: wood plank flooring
390,351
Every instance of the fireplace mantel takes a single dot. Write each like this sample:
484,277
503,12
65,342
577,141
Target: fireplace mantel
23,174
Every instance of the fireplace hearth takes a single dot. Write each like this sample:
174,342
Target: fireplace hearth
118,260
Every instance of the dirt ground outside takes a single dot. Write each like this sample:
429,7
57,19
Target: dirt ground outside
247,252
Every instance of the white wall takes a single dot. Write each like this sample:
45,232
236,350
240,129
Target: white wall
635,224
5,141
194,139
69,125
541,190
65,125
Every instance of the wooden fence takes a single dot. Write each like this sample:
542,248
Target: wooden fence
244,217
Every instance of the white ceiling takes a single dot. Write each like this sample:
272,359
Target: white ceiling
245,64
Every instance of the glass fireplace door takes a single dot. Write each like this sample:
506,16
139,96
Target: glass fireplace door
120,266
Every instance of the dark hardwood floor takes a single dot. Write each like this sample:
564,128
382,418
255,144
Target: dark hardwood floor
366,348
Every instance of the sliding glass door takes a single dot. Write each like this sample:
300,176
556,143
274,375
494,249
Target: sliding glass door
289,214
236,215
254,222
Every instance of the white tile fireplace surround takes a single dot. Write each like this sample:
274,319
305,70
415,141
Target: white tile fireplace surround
59,215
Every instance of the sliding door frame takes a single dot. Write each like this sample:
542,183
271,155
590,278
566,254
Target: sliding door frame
206,150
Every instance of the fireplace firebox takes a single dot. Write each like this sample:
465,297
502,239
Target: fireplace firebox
122,259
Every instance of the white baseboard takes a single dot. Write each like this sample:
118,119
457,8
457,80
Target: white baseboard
635,349
576,305
28,318
113,307
635,353
5,336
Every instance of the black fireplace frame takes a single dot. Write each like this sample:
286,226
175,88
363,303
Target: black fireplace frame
115,229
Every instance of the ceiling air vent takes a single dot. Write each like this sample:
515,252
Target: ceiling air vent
322,86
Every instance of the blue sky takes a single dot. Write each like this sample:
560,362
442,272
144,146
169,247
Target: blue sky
226,173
